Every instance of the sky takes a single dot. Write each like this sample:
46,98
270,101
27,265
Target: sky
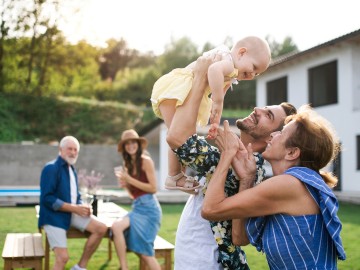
149,25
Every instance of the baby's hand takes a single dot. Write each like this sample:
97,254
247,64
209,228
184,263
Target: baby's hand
213,131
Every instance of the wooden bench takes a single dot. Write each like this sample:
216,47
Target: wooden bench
163,250
23,250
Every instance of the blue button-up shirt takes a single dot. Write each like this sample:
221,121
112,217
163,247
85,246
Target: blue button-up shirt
54,192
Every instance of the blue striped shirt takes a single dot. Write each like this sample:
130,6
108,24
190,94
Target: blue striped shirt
301,242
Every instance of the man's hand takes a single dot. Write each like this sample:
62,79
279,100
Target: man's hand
83,210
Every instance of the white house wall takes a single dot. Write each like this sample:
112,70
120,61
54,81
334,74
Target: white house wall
164,161
345,115
356,78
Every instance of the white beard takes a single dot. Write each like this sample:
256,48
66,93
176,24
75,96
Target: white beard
70,160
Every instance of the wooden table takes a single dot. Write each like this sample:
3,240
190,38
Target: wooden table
108,212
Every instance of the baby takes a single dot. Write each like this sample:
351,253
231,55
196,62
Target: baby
249,57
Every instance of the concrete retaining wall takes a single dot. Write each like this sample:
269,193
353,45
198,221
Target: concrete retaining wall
21,165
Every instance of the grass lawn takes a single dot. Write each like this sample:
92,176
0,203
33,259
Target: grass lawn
23,219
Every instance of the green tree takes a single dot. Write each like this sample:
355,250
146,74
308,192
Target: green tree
5,22
31,48
179,53
138,87
74,69
278,49
134,83
207,47
115,57
40,25
10,16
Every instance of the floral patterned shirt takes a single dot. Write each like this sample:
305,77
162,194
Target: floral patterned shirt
202,157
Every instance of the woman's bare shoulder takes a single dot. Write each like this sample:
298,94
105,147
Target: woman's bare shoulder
147,160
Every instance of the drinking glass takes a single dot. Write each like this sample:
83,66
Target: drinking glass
87,199
118,170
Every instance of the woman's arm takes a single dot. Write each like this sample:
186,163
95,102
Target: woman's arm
279,194
230,144
239,235
123,184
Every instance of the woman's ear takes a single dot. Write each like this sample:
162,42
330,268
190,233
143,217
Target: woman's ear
293,153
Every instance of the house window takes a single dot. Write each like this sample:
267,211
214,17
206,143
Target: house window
276,91
358,151
323,89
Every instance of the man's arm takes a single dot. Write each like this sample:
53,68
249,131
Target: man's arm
80,209
48,185
183,125
48,191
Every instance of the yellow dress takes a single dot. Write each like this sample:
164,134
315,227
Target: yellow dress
176,85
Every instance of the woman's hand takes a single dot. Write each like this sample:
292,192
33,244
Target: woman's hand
243,161
226,140
123,177
245,166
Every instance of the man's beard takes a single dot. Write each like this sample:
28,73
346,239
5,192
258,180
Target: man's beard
240,125
250,130
71,160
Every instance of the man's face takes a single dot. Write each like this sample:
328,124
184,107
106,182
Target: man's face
262,121
69,152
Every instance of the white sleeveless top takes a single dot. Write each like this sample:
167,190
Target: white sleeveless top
195,245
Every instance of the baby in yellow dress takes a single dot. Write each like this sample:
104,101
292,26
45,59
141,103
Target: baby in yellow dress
249,57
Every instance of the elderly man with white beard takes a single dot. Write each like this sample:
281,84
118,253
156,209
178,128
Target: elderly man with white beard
61,206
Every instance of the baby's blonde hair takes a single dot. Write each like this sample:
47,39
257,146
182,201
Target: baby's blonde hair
255,45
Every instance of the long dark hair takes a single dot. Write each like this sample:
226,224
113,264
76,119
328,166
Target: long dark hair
133,167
